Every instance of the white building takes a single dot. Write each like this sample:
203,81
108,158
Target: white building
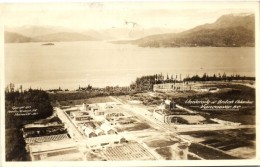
165,87
107,129
80,116
99,132
89,132
64,150
105,141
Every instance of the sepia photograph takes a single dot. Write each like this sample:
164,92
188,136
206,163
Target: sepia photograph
104,82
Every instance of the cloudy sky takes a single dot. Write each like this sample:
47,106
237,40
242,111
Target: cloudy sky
171,15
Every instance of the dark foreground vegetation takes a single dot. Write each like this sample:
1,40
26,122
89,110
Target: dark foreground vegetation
36,100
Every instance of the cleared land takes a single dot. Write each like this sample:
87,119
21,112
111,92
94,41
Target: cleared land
245,114
88,101
130,151
229,142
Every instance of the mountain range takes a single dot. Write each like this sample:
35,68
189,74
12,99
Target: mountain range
231,30
56,34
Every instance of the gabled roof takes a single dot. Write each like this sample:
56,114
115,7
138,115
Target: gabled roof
106,127
98,131
88,131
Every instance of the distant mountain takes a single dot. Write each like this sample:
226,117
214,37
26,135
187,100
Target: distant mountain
34,31
126,33
11,37
15,38
227,31
45,34
63,36
54,33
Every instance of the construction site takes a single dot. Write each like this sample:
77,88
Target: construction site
119,130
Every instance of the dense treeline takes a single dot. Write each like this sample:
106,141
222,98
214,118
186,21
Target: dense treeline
145,83
33,99
219,77
88,92
36,99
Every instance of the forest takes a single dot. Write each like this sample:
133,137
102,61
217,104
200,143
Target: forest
37,100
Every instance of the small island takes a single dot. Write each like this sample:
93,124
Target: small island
48,44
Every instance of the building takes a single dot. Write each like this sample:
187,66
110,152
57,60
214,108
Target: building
167,111
65,150
175,87
95,110
105,141
89,132
170,112
99,132
80,116
84,107
108,130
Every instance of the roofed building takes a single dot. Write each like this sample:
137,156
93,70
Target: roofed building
80,116
99,132
107,129
65,150
89,132
104,141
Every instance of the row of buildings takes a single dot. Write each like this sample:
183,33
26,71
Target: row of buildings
182,86
97,123
50,141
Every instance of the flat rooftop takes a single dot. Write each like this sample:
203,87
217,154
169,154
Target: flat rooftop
52,145
80,114
41,139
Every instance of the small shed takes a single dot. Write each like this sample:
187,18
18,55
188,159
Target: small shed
89,133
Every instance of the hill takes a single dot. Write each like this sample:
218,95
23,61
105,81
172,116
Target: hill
56,33
11,37
63,36
227,31
15,38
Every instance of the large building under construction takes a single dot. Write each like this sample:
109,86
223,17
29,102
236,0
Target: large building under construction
165,87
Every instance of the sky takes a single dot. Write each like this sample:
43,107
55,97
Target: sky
172,15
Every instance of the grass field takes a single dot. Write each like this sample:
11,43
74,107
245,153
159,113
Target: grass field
160,143
225,141
135,127
88,101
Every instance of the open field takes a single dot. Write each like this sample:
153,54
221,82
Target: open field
88,101
245,114
135,127
160,143
164,152
228,141
208,153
